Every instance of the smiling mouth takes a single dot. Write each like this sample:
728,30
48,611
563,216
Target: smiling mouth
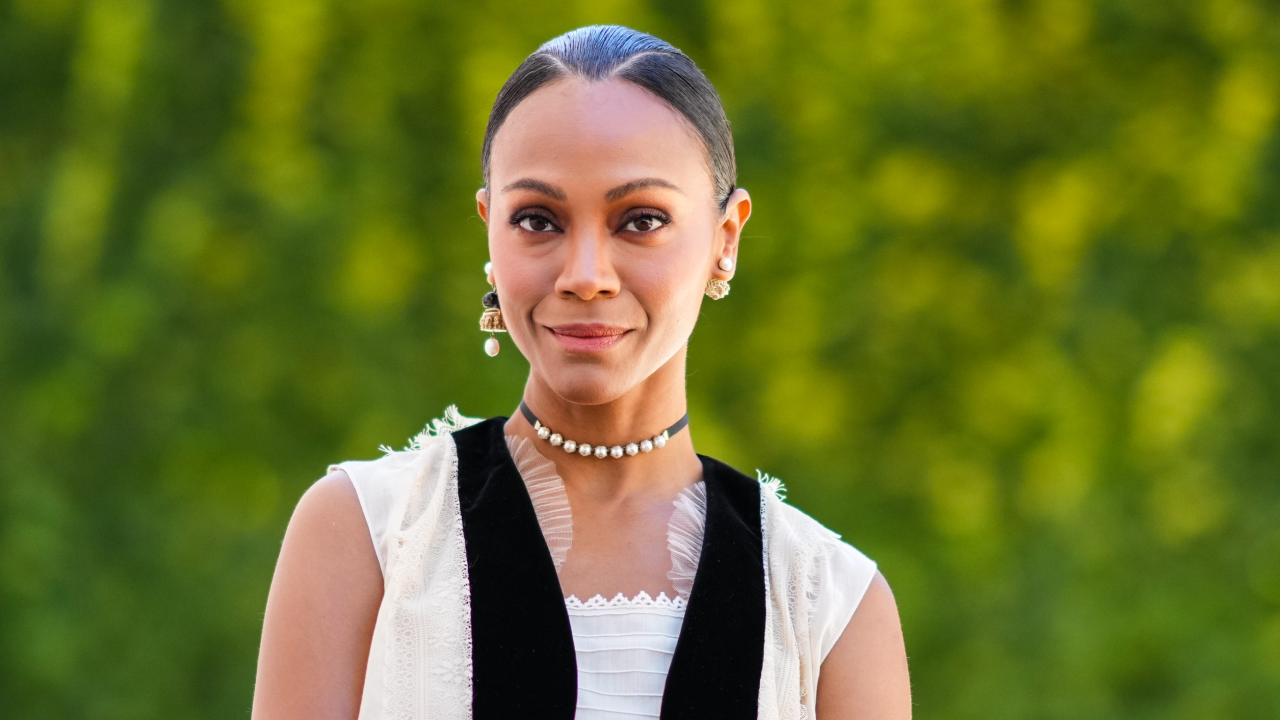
588,337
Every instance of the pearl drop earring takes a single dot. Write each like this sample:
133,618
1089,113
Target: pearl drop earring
491,320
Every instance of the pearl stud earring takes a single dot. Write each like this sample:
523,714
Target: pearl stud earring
726,264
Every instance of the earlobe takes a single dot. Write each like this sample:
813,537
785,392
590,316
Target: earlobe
482,204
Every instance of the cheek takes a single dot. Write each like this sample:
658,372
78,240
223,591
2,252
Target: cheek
671,294
519,273
518,284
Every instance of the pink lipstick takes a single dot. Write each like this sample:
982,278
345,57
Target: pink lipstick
588,337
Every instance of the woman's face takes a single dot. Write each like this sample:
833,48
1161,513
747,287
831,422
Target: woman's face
603,232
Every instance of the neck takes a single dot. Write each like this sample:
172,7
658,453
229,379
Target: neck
642,412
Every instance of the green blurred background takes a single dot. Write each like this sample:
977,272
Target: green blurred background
1007,316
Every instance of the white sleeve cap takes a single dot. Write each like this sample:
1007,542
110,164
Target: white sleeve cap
846,574
383,488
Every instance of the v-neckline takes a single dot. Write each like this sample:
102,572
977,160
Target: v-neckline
523,659
685,528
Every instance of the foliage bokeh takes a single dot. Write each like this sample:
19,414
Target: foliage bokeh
1007,316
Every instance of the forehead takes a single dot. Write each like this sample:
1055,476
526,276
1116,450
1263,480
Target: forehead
575,131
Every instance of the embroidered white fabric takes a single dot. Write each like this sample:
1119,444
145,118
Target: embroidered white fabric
813,582
420,658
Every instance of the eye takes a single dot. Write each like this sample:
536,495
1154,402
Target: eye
644,223
534,222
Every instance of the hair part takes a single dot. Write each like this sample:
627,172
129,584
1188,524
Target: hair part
601,52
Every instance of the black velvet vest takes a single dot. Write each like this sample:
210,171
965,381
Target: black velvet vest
522,645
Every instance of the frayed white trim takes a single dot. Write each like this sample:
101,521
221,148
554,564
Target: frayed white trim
452,421
772,484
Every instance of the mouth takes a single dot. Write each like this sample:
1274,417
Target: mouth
588,337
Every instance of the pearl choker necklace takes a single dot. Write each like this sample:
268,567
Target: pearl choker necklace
600,451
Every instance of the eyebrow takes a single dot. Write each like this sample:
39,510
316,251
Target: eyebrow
617,193
637,185
538,186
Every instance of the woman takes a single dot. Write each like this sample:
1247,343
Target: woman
580,557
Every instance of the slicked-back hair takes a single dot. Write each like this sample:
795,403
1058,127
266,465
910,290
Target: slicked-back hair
600,52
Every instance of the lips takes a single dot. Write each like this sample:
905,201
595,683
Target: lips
588,337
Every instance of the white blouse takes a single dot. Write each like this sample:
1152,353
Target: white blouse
624,648
624,645
420,658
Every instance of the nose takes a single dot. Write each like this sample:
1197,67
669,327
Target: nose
588,270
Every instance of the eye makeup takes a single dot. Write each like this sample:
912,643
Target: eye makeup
645,215
540,220
530,219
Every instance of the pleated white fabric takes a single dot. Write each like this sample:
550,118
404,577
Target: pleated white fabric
546,490
624,648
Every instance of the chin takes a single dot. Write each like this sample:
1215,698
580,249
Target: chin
587,385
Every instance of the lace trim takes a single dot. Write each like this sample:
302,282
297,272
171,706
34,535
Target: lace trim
795,548
774,668
641,600
428,632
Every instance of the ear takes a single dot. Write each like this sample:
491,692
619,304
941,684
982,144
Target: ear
737,211
482,204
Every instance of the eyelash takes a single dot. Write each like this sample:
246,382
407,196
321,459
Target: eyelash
522,215
650,214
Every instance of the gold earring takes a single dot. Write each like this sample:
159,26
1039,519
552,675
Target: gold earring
716,288
491,320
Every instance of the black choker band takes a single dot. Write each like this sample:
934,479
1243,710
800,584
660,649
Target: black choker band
601,451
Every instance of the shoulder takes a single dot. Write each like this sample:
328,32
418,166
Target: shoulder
332,514
331,501
326,544
328,527
384,487
865,674
326,576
